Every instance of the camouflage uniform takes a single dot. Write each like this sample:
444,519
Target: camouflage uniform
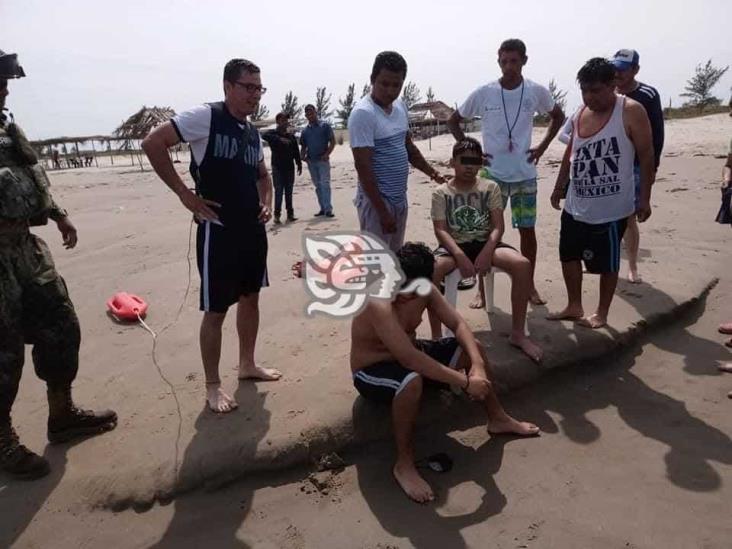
35,307
34,304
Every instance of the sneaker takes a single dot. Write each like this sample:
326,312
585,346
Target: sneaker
78,423
319,214
17,460
330,214
291,218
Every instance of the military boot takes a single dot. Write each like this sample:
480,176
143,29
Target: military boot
66,421
17,460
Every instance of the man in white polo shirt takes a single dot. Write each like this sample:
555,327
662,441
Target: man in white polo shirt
507,107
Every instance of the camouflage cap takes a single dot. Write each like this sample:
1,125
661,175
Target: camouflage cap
9,66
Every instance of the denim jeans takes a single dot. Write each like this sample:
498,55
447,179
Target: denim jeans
320,174
283,180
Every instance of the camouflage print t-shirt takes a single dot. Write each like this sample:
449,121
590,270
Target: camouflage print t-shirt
467,212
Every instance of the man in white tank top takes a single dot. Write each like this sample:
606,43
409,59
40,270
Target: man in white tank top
607,133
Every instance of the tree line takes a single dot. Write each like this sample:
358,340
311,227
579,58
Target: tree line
291,105
698,90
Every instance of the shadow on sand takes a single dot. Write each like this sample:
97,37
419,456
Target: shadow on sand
572,393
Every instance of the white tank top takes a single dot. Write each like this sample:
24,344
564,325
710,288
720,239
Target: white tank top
602,185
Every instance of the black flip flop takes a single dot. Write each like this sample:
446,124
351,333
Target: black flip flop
439,463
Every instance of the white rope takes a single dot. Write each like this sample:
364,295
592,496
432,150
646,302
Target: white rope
155,336
172,390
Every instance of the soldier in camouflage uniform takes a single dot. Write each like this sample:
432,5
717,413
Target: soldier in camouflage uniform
35,308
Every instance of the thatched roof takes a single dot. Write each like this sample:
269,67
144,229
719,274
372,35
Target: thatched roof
143,121
430,113
64,139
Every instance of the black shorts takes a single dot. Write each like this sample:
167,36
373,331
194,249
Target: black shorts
597,245
384,380
472,249
231,262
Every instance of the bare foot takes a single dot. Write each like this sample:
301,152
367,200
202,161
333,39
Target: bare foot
536,299
218,400
508,425
478,301
257,373
725,328
634,277
725,367
594,321
413,485
531,349
569,313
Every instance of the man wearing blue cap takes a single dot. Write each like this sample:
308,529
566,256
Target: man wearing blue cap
626,69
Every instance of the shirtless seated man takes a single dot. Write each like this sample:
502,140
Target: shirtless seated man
390,364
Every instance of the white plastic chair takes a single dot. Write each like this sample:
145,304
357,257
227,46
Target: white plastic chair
451,288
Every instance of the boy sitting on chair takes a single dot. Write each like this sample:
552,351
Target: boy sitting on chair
467,214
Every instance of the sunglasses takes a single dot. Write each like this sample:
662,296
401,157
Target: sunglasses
250,88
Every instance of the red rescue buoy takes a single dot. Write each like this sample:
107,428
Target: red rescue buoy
124,306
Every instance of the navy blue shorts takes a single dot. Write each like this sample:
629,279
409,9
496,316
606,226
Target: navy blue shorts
597,245
232,262
471,249
385,380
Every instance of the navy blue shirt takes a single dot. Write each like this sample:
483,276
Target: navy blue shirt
315,138
228,170
650,99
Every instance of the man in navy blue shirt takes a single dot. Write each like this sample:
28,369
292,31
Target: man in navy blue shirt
231,204
317,141
626,69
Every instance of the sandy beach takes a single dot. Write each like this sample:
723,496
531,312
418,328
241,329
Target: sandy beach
135,236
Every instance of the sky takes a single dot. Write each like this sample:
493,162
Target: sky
91,64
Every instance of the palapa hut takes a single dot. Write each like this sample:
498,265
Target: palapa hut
129,134
430,118
74,158
136,127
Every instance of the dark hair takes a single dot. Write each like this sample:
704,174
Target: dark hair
280,115
468,144
310,106
391,61
513,44
416,261
597,69
234,68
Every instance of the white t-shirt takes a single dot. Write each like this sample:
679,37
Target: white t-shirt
486,102
194,127
370,126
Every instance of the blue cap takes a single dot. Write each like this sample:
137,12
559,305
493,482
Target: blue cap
625,59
